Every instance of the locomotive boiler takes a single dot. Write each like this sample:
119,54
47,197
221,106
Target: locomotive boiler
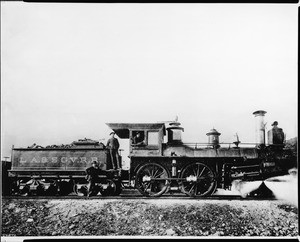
160,163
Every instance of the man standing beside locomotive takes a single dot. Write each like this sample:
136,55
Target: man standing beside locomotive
113,146
92,177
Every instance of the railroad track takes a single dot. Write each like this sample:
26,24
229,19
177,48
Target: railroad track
127,196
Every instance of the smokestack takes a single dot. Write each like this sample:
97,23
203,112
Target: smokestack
259,127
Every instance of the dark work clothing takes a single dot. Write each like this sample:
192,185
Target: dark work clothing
114,157
113,143
92,173
275,136
113,146
91,187
278,135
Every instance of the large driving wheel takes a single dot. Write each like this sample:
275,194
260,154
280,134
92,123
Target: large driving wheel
151,180
198,179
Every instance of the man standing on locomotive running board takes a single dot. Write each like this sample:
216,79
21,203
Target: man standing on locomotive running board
113,146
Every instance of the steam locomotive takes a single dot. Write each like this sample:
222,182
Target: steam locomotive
161,163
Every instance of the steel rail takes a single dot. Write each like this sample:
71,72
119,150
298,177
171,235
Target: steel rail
122,197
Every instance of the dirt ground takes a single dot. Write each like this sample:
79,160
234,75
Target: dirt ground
153,217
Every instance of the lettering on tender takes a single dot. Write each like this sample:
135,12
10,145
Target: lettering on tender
83,160
34,160
21,160
44,160
63,159
73,159
94,159
54,159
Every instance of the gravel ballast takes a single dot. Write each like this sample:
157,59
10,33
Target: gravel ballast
155,217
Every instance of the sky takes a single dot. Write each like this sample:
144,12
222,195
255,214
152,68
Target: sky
67,69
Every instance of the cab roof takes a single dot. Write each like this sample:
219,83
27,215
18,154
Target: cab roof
122,129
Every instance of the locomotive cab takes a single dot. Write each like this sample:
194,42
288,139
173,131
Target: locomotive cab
145,139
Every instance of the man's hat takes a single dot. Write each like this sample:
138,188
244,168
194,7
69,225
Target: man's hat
275,123
112,133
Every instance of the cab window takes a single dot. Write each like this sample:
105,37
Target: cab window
177,135
153,137
138,138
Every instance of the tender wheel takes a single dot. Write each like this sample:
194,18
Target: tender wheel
64,188
199,180
40,190
48,188
109,188
151,180
24,189
51,190
13,186
118,188
80,189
